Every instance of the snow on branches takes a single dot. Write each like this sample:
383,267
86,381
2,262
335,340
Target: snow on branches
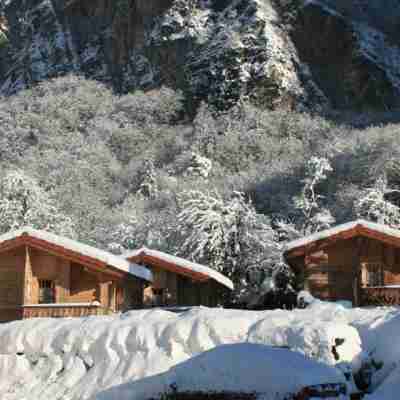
24,203
373,204
313,216
227,234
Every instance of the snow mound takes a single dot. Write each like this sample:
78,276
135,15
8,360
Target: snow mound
73,359
242,367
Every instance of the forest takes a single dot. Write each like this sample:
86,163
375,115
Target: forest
224,188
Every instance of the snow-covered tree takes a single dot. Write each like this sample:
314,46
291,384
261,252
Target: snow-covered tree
373,204
148,186
228,235
313,216
3,31
122,237
199,165
24,203
139,224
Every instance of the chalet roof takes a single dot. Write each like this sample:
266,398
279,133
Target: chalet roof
32,236
345,231
178,265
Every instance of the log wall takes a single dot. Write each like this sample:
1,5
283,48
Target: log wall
334,277
12,266
182,291
83,285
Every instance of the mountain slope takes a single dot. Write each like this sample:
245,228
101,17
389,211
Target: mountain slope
280,54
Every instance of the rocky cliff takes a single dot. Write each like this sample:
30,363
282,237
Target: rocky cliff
278,53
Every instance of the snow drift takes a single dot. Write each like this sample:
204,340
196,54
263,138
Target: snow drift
81,359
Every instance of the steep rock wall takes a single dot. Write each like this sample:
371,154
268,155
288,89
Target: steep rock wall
303,54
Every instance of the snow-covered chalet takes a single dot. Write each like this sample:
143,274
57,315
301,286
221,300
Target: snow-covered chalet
357,261
46,275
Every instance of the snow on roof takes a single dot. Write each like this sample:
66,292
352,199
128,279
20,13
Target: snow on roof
83,249
183,263
339,229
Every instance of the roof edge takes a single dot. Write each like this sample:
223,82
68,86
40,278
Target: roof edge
182,263
358,225
102,256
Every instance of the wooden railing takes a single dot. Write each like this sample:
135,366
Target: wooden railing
60,310
380,296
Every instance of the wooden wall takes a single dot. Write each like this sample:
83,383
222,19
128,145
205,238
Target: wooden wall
183,291
162,279
208,293
332,279
130,294
48,267
22,268
12,265
83,285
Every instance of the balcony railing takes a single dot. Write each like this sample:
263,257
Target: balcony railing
381,295
61,310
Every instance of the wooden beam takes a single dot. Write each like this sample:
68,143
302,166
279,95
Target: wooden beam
28,278
382,237
102,290
12,244
195,276
73,256
162,264
321,244
61,252
360,242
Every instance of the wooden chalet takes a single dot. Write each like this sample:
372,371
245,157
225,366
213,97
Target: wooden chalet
357,261
178,282
45,275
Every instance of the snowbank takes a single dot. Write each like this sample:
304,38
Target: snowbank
379,331
73,359
140,353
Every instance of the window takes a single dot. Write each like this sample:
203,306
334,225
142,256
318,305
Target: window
46,292
374,274
158,297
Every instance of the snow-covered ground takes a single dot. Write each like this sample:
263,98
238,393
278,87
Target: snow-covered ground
141,353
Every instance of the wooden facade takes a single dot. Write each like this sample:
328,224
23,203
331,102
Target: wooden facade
359,262
177,284
39,278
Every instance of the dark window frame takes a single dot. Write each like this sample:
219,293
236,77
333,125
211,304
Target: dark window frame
47,291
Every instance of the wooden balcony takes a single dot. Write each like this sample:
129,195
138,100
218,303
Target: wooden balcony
381,295
64,310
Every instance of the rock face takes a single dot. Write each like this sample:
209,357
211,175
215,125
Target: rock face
354,59
277,53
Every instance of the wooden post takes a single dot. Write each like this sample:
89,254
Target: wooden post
357,272
102,291
28,278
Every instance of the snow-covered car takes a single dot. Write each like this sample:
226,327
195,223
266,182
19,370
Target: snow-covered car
234,370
